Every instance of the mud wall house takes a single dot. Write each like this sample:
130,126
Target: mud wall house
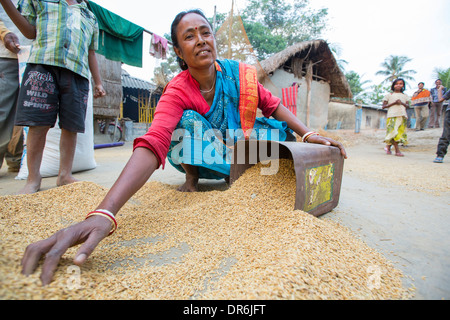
372,117
323,96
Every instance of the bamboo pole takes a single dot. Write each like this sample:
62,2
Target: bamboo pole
230,28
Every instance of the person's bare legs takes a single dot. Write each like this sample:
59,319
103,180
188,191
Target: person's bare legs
35,150
67,145
397,149
388,149
191,183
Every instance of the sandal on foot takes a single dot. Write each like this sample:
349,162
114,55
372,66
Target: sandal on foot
439,160
387,151
399,154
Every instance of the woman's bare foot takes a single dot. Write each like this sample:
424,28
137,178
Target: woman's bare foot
190,185
62,181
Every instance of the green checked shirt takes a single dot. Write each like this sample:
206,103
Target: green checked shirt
64,34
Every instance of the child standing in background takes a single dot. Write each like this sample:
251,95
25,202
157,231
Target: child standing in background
396,102
56,80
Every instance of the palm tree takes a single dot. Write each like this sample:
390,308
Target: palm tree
393,68
337,50
444,75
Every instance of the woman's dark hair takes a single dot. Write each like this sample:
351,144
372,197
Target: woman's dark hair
173,31
397,80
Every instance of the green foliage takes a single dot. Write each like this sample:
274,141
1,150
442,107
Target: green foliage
393,68
167,69
273,25
356,83
220,19
263,42
444,75
376,93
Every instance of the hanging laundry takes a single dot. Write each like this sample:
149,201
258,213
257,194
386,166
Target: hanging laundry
119,39
290,98
158,47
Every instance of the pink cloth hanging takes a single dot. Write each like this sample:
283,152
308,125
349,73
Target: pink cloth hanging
158,47
290,98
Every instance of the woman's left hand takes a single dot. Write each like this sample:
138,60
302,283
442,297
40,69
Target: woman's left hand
328,142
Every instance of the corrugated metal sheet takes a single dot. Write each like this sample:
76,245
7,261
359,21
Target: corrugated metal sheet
135,83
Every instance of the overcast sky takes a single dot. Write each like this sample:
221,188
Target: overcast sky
366,31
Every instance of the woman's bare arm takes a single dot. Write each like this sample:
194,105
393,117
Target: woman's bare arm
91,231
283,114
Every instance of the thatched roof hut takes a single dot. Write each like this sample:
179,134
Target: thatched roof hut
315,56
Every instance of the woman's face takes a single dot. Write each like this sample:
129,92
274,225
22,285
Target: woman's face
197,45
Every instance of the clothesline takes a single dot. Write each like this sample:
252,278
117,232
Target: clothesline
122,40
151,33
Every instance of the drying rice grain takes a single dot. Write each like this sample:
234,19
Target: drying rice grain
246,242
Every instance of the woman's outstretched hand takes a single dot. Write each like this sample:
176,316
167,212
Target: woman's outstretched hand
89,232
328,142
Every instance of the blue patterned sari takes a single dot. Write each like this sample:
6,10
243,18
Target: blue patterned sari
207,141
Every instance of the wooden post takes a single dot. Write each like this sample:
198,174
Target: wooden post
214,19
308,78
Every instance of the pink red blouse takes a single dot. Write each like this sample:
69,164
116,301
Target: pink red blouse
183,93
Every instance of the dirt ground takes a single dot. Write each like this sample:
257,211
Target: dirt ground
398,206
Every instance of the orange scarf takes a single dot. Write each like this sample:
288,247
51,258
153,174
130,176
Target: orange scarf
248,102
423,97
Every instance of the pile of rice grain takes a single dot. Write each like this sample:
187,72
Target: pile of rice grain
243,243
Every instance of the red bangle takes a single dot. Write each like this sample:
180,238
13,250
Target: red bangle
307,135
107,215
